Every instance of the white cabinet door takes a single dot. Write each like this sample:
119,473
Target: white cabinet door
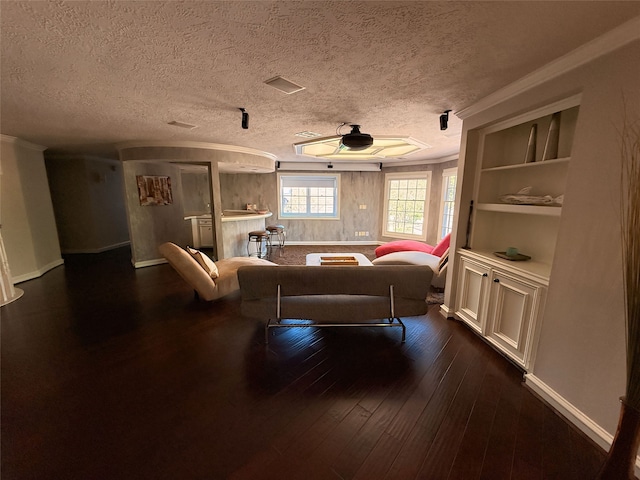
206,234
472,293
513,305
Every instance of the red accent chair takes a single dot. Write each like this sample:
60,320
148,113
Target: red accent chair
414,246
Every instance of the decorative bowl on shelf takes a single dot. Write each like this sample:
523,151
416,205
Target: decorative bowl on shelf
518,257
515,199
262,211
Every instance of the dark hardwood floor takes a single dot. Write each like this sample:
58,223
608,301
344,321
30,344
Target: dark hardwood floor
114,373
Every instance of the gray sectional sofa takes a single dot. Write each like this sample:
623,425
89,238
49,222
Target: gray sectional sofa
334,295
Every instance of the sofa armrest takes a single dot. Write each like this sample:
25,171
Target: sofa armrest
417,258
409,258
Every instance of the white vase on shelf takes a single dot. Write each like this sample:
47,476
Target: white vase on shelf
530,155
551,146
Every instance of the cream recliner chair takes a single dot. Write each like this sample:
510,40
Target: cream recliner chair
210,280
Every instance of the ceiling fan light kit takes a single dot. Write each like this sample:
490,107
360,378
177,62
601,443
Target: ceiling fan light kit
355,140
359,146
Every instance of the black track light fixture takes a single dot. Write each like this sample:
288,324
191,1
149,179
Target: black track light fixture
245,118
444,120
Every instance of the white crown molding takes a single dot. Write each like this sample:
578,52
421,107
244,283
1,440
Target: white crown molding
200,145
22,143
430,161
81,156
607,43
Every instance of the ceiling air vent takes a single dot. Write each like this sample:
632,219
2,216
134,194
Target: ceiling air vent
308,134
182,125
284,85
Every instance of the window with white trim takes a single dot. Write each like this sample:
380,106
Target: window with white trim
406,205
449,180
313,196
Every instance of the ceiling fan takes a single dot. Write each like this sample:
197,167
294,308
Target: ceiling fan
355,140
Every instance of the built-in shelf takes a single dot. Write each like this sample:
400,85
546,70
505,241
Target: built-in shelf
534,269
502,299
551,211
541,164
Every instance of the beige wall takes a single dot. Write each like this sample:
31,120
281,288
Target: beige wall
88,200
150,226
357,188
581,353
26,212
197,192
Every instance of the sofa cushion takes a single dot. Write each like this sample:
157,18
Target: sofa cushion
204,261
409,258
436,264
403,246
442,246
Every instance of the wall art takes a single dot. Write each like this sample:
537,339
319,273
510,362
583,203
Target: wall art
154,190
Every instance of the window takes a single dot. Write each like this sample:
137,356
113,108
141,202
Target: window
449,179
309,196
406,204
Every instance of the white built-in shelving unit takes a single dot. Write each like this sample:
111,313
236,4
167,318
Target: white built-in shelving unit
503,300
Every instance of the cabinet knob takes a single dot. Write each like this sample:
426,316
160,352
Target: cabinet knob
496,280
485,274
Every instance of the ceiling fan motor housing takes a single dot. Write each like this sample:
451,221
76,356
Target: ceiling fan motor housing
355,140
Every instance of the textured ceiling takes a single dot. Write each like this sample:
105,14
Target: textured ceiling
81,76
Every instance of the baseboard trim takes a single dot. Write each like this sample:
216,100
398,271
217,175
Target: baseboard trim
569,411
96,250
149,263
333,242
37,273
446,312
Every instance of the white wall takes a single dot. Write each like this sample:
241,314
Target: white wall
581,354
26,212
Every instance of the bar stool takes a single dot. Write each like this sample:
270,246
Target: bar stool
260,240
277,231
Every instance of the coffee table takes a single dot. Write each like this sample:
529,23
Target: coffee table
315,258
